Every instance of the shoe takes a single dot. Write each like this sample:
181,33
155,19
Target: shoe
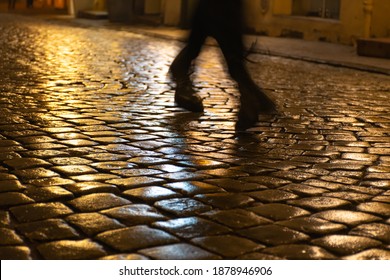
253,102
187,98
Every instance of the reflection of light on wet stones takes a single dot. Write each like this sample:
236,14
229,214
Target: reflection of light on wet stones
98,201
183,206
93,223
300,252
228,246
312,225
346,244
151,193
135,214
278,211
191,227
71,250
320,203
35,173
181,251
137,237
347,217
40,211
274,235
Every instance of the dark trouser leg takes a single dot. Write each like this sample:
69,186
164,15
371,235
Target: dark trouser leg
253,100
181,65
185,95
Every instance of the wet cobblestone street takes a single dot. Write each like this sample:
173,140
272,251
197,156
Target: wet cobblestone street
96,161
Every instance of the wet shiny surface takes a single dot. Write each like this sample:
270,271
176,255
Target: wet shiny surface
97,162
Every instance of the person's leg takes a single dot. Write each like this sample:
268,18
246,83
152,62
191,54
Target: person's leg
11,4
185,95
228,34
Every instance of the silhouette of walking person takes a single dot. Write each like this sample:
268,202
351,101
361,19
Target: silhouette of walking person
30,3
222,20
11,4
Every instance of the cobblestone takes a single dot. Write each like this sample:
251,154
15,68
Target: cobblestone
133,238
71,250
96,161
300,252
345,245
192,227
180,251
274,235
47,230
135,214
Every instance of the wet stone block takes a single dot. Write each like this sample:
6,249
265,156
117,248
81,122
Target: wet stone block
40,211
35,173
42,194
4,219
350,196
135,214
378,208
345,244
68,160
225,200
194,187
14,198
8,155
278,211
125,257
300,252
15,253
96,202
47,182
48,230
227,246
135,238
375,230
371,254
320,203
151,193
181,251
93,223
71,250
183,176
11,186
192,227
236,218
9,237
83,188
183,206
232,185
136,172
273,195
350,218
98,177
271,182
26,163
7,176
74,170
274,235
135,182
312,225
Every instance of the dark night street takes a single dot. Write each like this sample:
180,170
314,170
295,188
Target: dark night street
97,162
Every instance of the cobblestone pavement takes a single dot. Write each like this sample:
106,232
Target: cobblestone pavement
97,162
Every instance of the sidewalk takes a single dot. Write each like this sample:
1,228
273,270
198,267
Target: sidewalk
311,51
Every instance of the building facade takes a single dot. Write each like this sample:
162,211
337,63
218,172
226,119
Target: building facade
341,21
338,21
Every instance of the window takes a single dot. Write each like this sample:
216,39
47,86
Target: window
317,8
